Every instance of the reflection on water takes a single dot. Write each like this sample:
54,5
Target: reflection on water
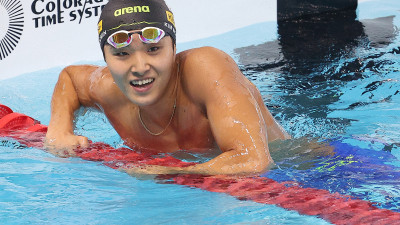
308,69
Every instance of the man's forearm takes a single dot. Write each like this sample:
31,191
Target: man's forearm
63,105
232,162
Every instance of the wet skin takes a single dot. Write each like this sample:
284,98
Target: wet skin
217,108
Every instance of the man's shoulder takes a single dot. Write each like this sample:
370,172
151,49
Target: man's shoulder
206,62
205,69
93,81
97,75
195,53
86,69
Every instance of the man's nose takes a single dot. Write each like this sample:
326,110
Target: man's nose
139,64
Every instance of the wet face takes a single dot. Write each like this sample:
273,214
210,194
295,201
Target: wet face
142,71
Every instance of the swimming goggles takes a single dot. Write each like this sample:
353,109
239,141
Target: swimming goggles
147,35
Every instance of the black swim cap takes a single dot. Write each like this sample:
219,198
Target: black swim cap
135,15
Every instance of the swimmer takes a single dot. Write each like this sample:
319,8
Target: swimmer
162,102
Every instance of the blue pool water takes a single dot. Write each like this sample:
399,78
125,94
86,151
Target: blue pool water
340,89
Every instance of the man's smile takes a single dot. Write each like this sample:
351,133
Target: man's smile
142,83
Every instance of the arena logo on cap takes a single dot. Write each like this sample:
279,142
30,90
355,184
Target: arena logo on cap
129,10
11,26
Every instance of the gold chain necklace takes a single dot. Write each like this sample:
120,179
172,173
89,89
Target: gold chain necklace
173,111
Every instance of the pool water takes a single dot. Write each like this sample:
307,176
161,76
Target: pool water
340,90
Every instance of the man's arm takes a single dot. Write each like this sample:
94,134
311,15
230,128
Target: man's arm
236,115
70,93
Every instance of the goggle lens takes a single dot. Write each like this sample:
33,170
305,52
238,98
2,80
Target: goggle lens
120,39
150,33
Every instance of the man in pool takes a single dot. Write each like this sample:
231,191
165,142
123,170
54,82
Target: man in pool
160,101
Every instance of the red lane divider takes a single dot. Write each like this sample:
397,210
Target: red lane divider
16,121
4,110
335,208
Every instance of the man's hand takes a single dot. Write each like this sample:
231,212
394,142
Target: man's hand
65,145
